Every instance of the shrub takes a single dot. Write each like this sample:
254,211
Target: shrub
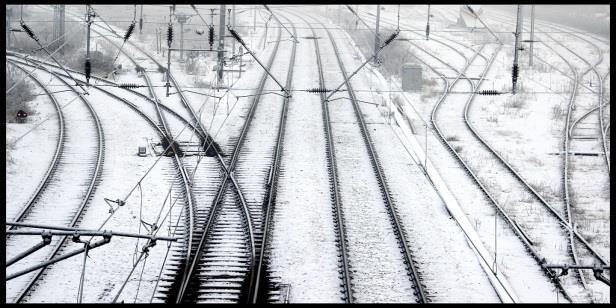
18,97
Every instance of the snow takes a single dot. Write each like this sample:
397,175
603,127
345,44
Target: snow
31,155
448,221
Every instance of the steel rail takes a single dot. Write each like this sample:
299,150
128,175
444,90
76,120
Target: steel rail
57,154
257,293
347,286
396,223
566,223
169,137
152,122
516,228
212,214
89,191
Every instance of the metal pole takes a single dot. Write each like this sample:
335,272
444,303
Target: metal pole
9,12
233,25
46,241
514,74
169,52
532,34
376,37
60,42
428,24
58,259
254,19
356,17
495,245
221,42
82,279
241,56
141,20
426,157
88,42
181,20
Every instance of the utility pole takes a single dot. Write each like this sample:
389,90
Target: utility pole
233,26
514,73
376,36
58,26
254,19
169,41
88,67
428,24
182,18
532,34
221,42
356,17
141,20
9,12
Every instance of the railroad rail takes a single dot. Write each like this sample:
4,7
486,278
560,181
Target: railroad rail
206,278
332,169
93,180
56,156
396,224
258,291
448,86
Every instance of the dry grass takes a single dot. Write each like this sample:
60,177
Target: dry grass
558,112
493,118
19,96
452,138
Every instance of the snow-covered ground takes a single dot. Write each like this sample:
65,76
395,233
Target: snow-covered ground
448,221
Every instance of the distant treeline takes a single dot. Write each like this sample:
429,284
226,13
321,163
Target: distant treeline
591,18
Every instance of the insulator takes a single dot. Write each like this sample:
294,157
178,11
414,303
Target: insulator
427,31
169,35
88,68
129,32
140,24
129,85
28,30
236,36
211,36
489,92
514,73
391,38
318,90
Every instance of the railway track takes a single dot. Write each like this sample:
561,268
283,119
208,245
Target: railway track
51,204
225,265
56,156
343,264
571,233
357,135
134,106
461,74
570,125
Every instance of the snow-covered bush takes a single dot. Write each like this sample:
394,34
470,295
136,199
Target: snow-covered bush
18,98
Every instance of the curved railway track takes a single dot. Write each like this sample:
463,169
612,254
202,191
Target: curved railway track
224,267
562,220
47,207
133,106
258,292
571,233
448,86
570,125
57,153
